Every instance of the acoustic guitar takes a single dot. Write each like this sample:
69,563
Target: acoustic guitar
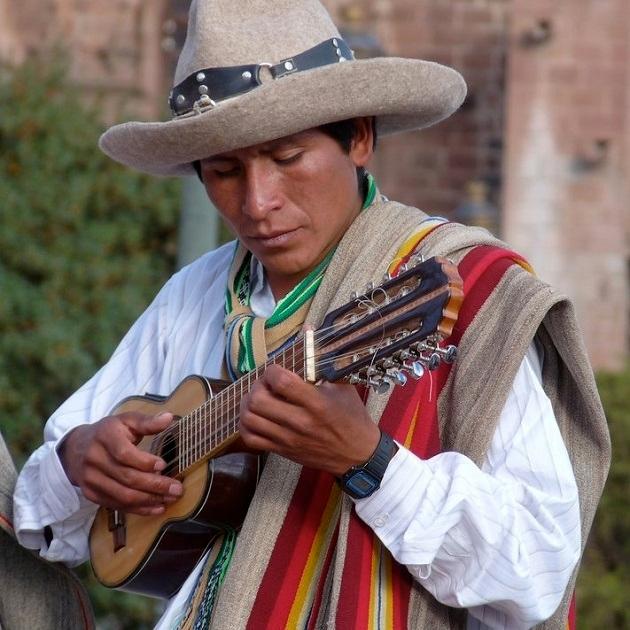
378,339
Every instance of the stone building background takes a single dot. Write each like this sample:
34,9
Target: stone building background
540,151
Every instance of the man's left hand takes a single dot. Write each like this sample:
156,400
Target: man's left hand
325,427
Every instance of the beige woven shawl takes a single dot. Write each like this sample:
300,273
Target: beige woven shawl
469,406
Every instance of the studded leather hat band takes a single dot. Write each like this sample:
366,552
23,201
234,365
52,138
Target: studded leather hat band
207,87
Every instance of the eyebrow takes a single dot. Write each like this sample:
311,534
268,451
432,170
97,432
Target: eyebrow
272,145
218,158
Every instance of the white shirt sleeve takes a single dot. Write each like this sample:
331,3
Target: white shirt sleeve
179,334
44,497
501,541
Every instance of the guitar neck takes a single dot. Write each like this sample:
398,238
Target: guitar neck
376,339
209,429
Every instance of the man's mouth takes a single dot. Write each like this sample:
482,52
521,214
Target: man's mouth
274,239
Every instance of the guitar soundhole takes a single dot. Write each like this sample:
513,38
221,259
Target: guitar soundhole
167,447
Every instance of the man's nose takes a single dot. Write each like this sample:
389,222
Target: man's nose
262,194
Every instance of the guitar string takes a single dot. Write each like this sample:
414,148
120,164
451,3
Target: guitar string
227,421
200,413
198,441
196,446
320,335
223,401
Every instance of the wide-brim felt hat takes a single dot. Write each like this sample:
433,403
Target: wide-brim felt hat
252,71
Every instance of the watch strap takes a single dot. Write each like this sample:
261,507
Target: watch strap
374,467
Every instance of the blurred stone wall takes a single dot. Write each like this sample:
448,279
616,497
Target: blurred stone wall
432,168
544,134
567,160
115,47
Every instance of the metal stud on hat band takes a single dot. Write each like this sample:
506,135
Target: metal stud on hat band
218,84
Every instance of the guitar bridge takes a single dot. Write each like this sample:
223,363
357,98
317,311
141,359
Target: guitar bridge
118,527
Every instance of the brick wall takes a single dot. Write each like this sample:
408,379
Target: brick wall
546,125
115,47
567,163
431,169
562,187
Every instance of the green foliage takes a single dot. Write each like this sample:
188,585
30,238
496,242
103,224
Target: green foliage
602,594
84,246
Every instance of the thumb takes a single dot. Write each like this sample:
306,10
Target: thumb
141,424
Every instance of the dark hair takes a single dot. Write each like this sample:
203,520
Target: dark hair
343,132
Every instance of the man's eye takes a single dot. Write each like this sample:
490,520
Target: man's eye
288,158
226,172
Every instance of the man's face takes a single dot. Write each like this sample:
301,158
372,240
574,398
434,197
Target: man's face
289,201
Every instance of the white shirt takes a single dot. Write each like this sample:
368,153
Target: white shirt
501,541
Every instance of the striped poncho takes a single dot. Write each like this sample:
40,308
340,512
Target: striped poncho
303,558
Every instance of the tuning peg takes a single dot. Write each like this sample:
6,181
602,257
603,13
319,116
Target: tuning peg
416,369
398,377
404,355
381,386
354,295
421,346
355,379
392,362
448,354
433,361
387,277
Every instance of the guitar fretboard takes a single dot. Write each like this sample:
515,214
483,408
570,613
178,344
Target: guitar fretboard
213,425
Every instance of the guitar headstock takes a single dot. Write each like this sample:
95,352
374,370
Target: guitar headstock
392,330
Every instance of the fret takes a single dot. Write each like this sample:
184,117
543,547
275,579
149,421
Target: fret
214,404
214,414
203,429
188,441
220,419
225,425
195,434
199,444
179,452
240,398
213,422
185,442
226,418
235,405
207,426
202,426
191,437
230,413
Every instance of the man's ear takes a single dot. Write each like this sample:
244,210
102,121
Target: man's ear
362,146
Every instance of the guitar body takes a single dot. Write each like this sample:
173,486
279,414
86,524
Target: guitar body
154,555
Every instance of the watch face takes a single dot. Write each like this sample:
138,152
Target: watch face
361,484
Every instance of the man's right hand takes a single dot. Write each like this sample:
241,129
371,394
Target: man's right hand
104,461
